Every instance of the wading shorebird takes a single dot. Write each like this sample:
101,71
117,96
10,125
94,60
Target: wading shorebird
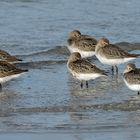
82,69
84,44
5,56
111,54
8,71
131,77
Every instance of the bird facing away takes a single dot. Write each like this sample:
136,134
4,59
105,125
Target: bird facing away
131,77
111,54
9,71
82,69
4,56
84,44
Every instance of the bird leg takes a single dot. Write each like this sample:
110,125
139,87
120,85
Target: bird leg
116,69
138,93
81,84
112,69
86,84
0,87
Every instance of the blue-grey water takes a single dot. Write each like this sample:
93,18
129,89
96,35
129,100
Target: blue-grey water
47,101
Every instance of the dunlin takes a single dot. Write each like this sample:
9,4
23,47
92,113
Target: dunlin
84,44
4,56
111,54
9,71
132,77
82,69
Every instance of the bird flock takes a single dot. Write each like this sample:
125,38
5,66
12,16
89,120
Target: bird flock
83,46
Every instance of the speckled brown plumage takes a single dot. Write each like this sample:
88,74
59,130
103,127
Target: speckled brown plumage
84,44
7,69
84,66
111,54
132,77
132,74
82,69
114,52
4,56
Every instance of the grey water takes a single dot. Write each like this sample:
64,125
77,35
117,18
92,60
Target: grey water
47,100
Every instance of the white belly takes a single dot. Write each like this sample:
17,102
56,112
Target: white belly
113,62
86,77
84,54
134,87
7,78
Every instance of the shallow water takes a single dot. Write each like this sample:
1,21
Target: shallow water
47,98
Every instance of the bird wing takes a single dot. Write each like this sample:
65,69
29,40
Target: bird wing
86,44
115,52
89,37
84,66
133,76
137,75
7,69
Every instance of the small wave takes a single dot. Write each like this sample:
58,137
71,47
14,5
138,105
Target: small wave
56,50
39,64
59,55
63,50
129,46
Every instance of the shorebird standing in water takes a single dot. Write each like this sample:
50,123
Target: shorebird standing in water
82,69
111,54
131,77
84,44
4,56
9,71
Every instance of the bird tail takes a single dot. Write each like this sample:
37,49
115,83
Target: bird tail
26,70
138,55
104,74
135,55
13,59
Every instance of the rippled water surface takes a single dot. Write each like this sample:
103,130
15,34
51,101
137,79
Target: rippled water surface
47,98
